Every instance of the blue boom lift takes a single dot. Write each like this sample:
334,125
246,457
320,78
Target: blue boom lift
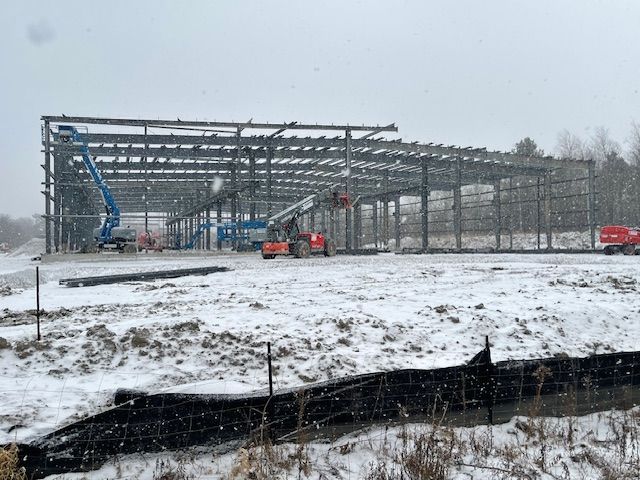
110,235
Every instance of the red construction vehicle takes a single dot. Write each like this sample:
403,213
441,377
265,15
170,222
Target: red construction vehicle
620,239
150,241
283,233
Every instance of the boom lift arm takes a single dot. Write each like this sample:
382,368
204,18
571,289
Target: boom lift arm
283,233
104,235
288,218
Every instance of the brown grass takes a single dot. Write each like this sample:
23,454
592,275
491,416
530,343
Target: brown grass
9,469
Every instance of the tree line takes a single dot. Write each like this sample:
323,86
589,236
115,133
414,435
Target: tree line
16,231
618,172
617,191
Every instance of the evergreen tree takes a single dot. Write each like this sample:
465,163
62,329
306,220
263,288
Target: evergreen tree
528,146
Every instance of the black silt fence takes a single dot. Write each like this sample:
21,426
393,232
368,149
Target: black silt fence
476,393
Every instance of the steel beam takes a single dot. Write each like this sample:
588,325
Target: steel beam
386,158
336,143
241,125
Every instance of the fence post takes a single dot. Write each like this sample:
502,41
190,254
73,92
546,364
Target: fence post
491,383
270,371
269,411
38,300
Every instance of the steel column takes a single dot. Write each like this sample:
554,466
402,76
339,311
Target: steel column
47,188
332,225
236,206
457,205
234,203
510,199
497,223
538,212
357,225
252,186
592,202
348,212
269,154
323,219
385,210
424,204
396,214
374,226
547,208
146,193
336,225
208,231
218,220
57,202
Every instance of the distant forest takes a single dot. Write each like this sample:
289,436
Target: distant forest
16,231
617,171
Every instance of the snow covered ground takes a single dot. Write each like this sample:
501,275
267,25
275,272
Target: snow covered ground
597,446
325,317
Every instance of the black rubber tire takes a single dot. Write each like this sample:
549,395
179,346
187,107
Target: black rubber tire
302,249
629,249
130,248
267,256
329,248
609,250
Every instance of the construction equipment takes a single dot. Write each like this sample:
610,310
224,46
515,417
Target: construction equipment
283,233
249,236
150,241
620,239
110,235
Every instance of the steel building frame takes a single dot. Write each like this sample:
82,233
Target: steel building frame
173,168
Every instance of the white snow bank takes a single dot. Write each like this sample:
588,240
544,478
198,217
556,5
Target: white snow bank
34,247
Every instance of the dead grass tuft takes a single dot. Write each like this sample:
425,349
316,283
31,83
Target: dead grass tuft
164,470
9,469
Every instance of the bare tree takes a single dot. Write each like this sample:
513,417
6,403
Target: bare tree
601,146
634,144
569,145
16,231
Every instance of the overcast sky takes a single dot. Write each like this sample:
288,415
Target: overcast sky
479,73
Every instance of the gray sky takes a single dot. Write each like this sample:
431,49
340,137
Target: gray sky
480,73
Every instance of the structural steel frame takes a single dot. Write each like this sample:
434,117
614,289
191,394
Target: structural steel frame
184,170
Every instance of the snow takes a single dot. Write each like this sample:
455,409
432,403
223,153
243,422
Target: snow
325,317
33,247
599,445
